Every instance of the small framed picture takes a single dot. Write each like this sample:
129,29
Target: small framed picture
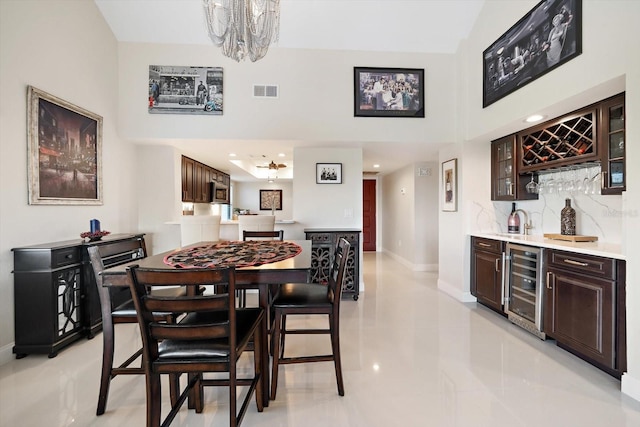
270,200
450,184
328,173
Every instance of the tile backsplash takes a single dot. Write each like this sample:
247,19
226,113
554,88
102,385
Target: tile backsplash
596,215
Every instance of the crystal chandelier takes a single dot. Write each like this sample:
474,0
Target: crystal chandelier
243,27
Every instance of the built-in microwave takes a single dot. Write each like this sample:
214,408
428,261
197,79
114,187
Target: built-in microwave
219,193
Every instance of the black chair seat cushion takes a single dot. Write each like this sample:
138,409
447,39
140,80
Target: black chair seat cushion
211,350
292,295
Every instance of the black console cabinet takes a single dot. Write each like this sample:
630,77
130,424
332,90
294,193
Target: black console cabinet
55,296
323,245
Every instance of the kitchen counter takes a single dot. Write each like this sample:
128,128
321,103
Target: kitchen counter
603,249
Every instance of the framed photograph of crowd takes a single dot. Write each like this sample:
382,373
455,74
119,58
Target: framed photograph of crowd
328,173
388,92
64,151
185,90
548,36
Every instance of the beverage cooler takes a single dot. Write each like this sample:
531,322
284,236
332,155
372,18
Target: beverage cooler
523,284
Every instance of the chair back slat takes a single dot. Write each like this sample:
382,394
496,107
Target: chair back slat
262,235
186,332
183,304
337,273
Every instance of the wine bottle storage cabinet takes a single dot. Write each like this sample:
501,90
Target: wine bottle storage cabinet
568,141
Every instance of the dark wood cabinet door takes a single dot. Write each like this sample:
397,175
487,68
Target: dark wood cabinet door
581,314
198,183
612,145
487,273
506,181
188,166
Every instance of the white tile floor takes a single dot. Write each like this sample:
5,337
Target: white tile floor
411,356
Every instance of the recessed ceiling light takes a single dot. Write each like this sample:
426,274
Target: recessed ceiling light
281,155
232,154
534,118
376,166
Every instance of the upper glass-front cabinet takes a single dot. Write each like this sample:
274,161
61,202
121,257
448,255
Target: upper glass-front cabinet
612,136
506,182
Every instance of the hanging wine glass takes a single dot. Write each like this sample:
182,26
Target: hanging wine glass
532,186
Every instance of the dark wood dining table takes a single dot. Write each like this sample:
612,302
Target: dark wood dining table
260,277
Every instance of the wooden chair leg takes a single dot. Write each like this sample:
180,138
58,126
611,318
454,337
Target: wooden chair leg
277,354
154,400
174,388
107,366
258,368
335,346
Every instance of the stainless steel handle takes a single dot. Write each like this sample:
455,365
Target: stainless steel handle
549,280
511,189
572,262
603,180
486,245
504,257
497,267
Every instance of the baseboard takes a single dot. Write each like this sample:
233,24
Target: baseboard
630,386
411,266
6,353
455,292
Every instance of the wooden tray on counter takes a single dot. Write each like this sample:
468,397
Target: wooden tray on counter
568,238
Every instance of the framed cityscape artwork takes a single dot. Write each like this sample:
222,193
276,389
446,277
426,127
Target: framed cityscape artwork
64,150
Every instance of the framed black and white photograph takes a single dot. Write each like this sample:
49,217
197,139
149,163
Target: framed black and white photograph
328,173
64,151
388,92
450,185
270,200
548,36
185,90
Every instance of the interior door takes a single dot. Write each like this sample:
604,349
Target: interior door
369,215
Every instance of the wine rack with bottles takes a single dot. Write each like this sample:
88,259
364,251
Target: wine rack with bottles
563,142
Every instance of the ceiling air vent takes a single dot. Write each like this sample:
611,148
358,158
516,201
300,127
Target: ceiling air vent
265,91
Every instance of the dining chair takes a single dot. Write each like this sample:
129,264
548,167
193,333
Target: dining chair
255,223
310,299
241,294
117,310
211,337
199,228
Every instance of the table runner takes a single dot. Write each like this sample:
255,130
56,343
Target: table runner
233,254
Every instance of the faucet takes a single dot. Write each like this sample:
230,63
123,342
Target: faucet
527,223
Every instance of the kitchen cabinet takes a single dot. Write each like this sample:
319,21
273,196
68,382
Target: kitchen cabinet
486,272
590,135
323,246
55,297
188,170
585,309
612,145
506,181
196,182
564,141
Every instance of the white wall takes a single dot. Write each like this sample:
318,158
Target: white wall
607,64
409,204
66,49
315,99
247,196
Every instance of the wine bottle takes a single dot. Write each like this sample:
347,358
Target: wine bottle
513,222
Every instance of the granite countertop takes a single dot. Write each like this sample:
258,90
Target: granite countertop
603,249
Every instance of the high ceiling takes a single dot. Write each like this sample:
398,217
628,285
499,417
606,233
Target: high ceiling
431,26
